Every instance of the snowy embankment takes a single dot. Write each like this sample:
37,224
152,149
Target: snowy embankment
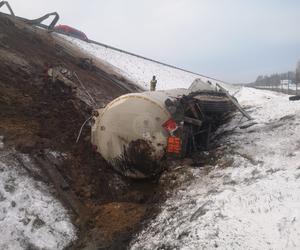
140,70
30,216
249,199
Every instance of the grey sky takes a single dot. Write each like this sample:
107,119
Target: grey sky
233,40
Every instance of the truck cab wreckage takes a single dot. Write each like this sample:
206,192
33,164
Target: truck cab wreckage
137,132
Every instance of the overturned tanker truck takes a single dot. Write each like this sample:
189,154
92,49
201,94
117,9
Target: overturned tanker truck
137,132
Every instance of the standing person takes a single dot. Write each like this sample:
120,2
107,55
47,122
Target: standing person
153,83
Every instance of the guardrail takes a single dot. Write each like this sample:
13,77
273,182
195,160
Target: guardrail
290,90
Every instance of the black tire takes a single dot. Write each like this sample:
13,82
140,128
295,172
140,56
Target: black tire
294,98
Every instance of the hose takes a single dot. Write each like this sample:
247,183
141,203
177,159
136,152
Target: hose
82,126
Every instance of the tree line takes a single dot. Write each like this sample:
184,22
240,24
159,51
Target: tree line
275,79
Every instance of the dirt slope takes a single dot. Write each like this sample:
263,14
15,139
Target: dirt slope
39,116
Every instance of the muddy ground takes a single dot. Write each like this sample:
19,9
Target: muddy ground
39,116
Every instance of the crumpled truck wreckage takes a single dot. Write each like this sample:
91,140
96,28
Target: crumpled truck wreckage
137,132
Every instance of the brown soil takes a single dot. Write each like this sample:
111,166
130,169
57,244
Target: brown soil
38,116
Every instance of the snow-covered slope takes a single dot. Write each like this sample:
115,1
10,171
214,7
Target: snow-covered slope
250,199
30,217
140,70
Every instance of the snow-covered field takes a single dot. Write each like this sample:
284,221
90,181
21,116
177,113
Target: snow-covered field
140,70
250,199
30,216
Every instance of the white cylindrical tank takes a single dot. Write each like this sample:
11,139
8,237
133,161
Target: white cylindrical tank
128,132
133,119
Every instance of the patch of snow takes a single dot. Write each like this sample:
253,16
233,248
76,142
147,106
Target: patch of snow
252,199
30,216
140,70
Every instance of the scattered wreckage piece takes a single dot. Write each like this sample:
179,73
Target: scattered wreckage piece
135,133
66,81
61,75
5,3
234,101
37,22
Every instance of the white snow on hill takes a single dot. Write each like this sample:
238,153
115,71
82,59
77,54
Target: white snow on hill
140,70
30,216
250,199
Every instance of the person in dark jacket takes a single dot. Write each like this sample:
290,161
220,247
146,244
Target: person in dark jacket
153,83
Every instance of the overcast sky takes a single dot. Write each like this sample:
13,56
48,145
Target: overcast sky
233,40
